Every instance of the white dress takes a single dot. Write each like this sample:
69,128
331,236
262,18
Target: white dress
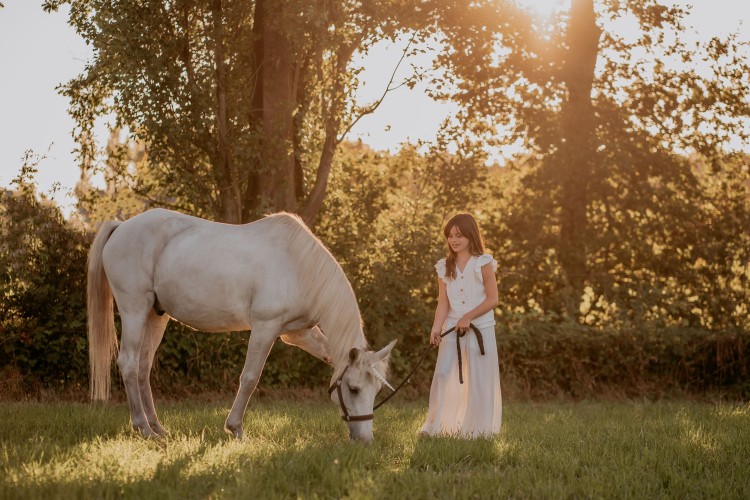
474,408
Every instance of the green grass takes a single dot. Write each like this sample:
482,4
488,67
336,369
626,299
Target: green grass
299,449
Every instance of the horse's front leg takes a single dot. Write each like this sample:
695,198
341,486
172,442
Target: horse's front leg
261,341
311,340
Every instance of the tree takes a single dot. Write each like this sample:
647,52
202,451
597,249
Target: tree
241,104
603,113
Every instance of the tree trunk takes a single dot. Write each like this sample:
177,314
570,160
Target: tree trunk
577,149
250,201
276,183
334,109
230,201
315,199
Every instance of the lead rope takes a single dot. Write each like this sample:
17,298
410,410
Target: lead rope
424,355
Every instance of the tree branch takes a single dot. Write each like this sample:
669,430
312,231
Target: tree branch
372,107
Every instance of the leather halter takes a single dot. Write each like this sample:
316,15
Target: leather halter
348,418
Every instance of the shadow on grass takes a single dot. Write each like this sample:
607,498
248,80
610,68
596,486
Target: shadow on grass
291,450
197,460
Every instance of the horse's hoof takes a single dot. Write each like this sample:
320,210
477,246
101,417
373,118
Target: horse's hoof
146,433
236,433
158,429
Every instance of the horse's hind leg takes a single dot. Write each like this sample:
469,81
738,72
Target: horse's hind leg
261,341
134,321
155,326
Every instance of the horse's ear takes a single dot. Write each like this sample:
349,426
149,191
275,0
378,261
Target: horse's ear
385,351
353,354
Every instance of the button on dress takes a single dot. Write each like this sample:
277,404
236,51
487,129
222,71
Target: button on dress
474,408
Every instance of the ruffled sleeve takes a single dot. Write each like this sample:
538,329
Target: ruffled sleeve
440,268
482,261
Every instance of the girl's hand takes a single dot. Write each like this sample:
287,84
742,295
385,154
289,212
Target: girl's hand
435,337
463,324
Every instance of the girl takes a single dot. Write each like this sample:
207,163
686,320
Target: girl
467,295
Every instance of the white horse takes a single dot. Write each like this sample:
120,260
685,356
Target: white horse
272,276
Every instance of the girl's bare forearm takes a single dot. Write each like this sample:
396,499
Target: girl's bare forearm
487,305
441,312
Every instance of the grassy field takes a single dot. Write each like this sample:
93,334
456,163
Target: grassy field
299,449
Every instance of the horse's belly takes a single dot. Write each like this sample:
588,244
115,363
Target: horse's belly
213,324
208,312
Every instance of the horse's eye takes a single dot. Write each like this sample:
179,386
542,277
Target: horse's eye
354,390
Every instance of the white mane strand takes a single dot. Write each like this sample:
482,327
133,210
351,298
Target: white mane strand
331,299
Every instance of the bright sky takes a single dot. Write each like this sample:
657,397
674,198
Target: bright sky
39,51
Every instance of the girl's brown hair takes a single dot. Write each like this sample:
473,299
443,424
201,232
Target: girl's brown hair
467,226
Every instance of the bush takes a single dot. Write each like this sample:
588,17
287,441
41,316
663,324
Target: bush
195,362
43,290
547,358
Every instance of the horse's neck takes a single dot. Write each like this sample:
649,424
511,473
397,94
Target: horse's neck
343,328
332,299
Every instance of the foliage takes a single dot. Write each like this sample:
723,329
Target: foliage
240,104
676,254
42,286
544,358
602,95
602,449
507,67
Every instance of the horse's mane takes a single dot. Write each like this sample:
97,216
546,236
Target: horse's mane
331,298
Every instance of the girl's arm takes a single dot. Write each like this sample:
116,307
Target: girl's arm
490,290
441,312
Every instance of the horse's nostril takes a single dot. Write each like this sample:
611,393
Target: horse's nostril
362,438
365,439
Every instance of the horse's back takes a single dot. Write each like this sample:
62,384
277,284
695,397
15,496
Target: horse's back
160,223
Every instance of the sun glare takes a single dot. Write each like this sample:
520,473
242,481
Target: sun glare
544,7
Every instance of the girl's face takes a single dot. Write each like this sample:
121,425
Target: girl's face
457,241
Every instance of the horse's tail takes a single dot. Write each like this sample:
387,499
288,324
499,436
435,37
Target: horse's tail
101,317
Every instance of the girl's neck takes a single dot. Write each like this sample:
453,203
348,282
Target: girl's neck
462,260
463,256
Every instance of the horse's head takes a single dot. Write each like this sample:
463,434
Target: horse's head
355,389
